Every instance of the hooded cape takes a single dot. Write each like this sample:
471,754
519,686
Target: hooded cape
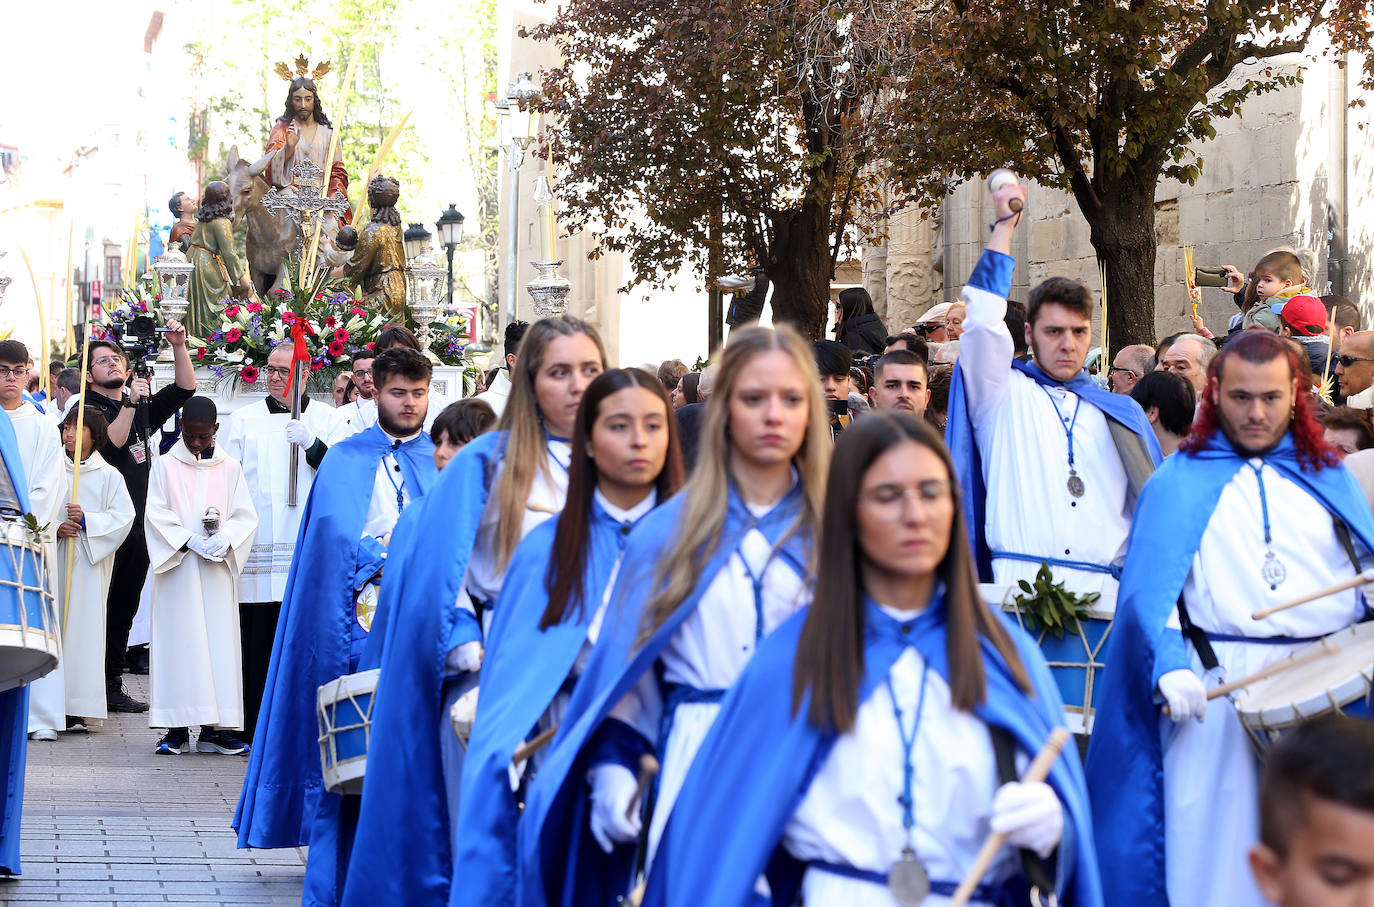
1125,761
559,861
14,703
283,788
403,819
759,759
524,669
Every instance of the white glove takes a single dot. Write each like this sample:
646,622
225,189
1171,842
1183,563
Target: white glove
1029,815
613,789
467,657
298,434
218,545
1185,694
202,546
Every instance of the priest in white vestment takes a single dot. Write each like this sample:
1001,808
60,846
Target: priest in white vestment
259,437
200,526
41,452
95,527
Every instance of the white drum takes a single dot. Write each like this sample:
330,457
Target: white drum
345,721
29,646
1338,682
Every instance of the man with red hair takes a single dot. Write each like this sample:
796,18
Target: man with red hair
1254,510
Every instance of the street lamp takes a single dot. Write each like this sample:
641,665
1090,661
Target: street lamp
416,241
450,227
521,121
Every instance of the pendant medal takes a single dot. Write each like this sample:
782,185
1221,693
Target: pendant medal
1076,487
907,880
1273,570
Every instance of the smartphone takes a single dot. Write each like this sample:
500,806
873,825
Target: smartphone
1210,277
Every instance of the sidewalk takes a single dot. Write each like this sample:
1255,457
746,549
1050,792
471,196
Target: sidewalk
108,822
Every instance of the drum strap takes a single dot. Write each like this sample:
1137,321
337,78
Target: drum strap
1343,536
1004,749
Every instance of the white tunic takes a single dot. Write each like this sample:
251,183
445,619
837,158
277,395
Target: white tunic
499,392
40,450
709,651
1211,772
195,661
850,814
109,513
356,416
382,512
1025,452
256,439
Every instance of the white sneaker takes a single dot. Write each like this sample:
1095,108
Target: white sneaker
45,734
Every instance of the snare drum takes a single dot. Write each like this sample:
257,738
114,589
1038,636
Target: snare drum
1076,660
345,721
29,646
1339,683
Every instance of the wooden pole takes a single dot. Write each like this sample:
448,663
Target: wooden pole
68,333
1278,667
1358,579
76,472
1038,770
42,322
530,747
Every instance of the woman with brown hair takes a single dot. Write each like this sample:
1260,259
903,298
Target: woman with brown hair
704,578
874,743
625,461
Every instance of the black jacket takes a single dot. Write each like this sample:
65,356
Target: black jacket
865,335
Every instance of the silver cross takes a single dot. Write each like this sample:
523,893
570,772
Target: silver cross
302,202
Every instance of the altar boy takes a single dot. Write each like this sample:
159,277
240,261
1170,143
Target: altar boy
200,526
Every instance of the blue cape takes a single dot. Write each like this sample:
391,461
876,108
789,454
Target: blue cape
523,671
1125,762
755,767
403,820
559,861
993,275
283,788
14,703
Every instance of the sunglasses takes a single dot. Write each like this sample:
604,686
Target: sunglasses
1348,361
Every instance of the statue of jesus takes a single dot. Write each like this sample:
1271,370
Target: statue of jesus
303,131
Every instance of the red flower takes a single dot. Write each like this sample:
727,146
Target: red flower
336,349
231,311
233,335
200,353
316,366
288,317
329,321
248,375
341,335
358,311
368,346
254,307
319,295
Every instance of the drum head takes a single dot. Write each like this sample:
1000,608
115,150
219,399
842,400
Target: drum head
1324,685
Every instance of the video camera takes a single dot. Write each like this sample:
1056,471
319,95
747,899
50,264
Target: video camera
137,337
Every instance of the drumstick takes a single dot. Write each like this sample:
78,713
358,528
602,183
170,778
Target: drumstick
1037,771
530,747
1278,667
648,770
1358,579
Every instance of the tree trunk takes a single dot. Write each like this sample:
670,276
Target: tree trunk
798,264
1123,235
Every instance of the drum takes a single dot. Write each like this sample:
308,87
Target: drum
463,713
1076,660
345,721
1338,682
29,645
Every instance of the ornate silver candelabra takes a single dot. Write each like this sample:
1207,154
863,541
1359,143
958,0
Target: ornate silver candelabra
549,289
425,300
174,277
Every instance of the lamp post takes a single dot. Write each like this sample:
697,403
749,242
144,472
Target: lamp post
521,119
416,241
450,227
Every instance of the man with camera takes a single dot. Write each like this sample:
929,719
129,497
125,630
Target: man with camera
124,395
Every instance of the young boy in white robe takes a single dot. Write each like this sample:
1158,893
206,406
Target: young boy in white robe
95,527
200,525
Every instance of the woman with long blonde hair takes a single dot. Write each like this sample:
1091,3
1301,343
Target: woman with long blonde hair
704,578
445,569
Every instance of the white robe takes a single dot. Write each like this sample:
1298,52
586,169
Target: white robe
256,439
109,513
196,674
1211,772
709,651
499,392
1021,437
356,416
850,814
40,450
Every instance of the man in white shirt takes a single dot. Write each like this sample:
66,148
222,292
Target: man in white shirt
362,412
496,395
260,436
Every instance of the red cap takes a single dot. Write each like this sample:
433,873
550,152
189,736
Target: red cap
1305,315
